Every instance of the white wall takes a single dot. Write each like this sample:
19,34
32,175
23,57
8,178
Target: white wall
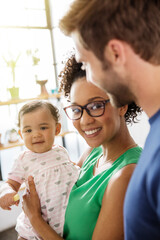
139,131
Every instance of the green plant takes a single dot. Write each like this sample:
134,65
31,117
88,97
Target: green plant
35,55
11,63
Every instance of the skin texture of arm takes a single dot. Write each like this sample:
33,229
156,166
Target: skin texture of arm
7,199
110,221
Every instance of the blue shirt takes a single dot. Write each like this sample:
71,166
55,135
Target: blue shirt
142,201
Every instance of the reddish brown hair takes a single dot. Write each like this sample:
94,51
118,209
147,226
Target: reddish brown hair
136,22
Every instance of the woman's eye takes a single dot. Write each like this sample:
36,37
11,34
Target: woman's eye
96,106
75,110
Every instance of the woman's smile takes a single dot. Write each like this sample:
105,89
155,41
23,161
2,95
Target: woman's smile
92,132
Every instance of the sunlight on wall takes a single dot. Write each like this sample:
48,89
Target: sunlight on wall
15,43
31,13
140,130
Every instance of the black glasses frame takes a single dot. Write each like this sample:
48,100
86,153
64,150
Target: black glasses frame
87,110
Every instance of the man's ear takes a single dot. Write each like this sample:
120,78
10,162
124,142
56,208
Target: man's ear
115,52
20,134
123,110
58,128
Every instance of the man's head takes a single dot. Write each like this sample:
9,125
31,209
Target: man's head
108,35
135,22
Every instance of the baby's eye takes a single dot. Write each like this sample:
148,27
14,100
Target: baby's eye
43,128
28,130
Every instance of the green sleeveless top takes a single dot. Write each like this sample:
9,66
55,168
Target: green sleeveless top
86,196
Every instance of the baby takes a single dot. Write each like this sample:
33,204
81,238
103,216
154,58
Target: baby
53,172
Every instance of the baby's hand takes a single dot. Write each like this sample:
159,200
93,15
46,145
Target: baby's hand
7,201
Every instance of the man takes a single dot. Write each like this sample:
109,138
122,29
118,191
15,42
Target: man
119,44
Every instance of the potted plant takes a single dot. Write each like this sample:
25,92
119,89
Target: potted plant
11,63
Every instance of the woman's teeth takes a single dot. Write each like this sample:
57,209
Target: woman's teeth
92,131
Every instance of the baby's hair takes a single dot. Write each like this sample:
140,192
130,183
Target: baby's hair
36,104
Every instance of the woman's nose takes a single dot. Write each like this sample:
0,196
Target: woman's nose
86,118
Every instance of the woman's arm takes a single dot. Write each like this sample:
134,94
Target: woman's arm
31,207
110,221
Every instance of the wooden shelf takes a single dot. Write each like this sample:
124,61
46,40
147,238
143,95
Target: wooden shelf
21,143
15,101
11,145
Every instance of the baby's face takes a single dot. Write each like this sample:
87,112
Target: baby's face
38,130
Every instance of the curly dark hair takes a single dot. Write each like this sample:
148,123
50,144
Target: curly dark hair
73,71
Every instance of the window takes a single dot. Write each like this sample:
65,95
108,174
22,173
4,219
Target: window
25,42
29,13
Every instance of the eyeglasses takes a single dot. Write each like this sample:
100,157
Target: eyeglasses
94,109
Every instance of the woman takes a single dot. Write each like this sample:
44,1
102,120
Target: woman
95,207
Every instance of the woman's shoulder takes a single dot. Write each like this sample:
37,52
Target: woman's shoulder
125,169
84,156
120,180
90,154
132,155
124,173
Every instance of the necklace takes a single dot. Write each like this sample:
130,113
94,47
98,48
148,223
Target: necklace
99,165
